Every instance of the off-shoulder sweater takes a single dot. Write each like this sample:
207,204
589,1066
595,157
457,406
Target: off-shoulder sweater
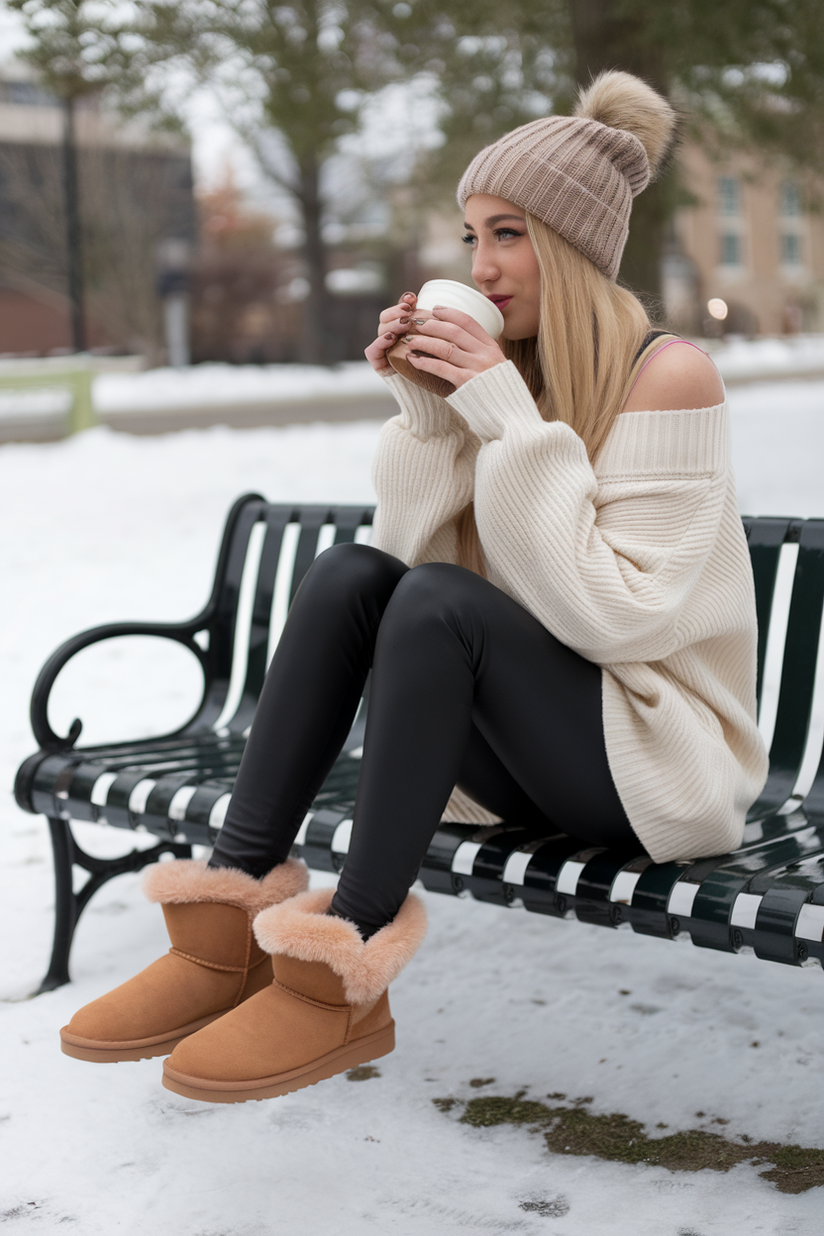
638,563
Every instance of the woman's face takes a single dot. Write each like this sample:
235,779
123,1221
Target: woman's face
504,265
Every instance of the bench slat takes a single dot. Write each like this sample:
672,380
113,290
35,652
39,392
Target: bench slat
223,619
764,538
276,520
798,671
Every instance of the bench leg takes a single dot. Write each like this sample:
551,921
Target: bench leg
69,905
65,907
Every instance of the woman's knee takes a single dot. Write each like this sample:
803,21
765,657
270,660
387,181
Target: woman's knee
436,590
352,569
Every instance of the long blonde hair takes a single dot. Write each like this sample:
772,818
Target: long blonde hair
579,368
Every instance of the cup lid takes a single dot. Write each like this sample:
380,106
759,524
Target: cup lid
456,295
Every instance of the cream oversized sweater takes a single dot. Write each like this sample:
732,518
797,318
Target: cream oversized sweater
639,564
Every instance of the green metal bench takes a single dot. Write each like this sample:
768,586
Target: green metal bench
768,896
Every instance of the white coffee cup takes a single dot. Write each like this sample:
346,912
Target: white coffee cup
453,295
449,294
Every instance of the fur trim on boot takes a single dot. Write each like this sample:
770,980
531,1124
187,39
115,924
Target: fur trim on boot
188,880
326,1011
302,929
214,963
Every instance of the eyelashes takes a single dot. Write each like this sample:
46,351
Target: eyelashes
500,233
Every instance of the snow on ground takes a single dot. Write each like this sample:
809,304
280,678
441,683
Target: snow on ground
766,358
231,386
208,384
106,526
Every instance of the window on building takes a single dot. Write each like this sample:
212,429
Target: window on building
790,200
730,249
26,94
791,249
729,195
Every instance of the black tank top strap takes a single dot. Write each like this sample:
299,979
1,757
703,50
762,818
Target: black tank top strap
648,339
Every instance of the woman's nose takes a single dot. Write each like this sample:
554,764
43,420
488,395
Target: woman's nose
485,268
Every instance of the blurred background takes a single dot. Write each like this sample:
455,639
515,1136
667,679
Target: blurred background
239,182
203,207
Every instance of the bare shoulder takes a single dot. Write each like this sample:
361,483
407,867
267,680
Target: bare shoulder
680,376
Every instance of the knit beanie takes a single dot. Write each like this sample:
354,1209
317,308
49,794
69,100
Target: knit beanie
580,173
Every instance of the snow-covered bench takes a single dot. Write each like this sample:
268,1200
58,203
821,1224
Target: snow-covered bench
767,896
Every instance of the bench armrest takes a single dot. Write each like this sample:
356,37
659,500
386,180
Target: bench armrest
181,632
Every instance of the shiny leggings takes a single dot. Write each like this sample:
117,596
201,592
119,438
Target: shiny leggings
467,688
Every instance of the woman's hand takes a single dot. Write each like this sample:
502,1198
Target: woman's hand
394,323
457,348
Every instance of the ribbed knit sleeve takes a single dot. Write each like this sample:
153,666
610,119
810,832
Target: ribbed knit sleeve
423,471
606,562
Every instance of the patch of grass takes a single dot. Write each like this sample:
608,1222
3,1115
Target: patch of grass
618,1139
494,1109
363,1072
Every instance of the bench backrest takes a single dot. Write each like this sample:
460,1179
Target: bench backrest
267,549
788,566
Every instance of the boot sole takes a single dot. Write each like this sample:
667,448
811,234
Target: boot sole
136,1049
370,1047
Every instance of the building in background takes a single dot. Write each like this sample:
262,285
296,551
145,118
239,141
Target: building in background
753,242
136,208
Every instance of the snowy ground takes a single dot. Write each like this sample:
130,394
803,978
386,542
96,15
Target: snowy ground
107,526
159,393
204,385
743,359
227,384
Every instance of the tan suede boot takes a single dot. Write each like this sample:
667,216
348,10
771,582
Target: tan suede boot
326,1011
214,963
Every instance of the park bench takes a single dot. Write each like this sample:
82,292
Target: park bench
767,897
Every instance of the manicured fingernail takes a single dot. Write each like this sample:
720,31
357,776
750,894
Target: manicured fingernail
419,321
389,336
407,338
404,321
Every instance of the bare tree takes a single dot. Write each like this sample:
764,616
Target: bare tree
307,67
32,216
132,201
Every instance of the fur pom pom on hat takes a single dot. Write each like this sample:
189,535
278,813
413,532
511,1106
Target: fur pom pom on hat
580,173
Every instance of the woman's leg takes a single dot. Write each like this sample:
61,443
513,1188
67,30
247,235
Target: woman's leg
307,705
455,655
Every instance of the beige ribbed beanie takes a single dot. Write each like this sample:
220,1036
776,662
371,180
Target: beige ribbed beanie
580,173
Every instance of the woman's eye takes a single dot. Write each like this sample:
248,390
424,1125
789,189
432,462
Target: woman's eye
500,233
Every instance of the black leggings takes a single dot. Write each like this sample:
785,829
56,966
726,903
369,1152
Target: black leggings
467,688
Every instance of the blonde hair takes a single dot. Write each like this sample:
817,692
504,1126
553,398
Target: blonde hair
579,368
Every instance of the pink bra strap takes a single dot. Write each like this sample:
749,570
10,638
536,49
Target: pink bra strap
663,348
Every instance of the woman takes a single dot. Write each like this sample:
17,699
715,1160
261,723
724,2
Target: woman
558,614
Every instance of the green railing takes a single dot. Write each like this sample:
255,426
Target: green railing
74,374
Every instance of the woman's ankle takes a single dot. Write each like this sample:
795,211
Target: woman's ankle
366,930
256,870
